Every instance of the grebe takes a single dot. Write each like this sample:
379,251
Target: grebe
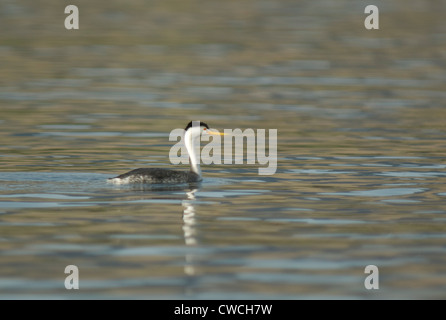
192,133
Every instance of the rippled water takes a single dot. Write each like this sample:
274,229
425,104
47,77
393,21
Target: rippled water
360,164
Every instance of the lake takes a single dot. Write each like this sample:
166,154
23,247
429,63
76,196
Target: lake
360,117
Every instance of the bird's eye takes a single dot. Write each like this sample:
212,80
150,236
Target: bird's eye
204,129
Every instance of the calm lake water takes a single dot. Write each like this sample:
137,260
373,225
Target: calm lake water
361,160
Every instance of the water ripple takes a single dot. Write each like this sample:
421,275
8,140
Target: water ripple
389,192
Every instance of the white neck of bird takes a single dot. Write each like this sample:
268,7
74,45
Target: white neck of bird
193,156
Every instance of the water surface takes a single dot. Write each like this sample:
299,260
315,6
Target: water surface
361,137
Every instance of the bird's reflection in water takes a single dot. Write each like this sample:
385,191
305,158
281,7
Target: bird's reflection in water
189,230
189,221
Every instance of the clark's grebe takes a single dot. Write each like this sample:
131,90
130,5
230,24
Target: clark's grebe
192,133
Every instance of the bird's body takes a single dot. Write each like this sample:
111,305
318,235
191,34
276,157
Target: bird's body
192,133
156,175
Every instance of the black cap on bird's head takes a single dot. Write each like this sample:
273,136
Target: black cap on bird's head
194,123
